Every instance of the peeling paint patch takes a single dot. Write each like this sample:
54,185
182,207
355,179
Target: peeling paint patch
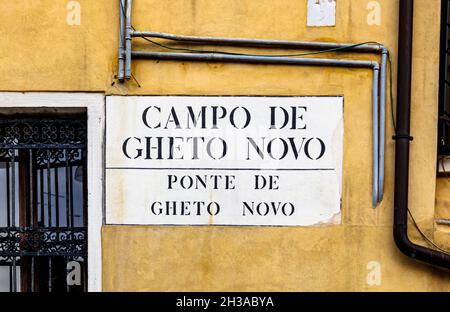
321,13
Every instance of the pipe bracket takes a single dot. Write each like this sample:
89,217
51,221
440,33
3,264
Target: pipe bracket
402,137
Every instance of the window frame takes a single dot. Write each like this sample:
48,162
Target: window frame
94,103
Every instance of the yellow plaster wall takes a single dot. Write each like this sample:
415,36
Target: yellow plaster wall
40,52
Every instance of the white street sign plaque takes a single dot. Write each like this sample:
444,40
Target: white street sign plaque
244,161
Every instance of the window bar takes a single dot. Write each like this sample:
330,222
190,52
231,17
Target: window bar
71,196
8,216
67,188
13,212
30,188
23,213
31,212
67,285
35,192
33,263
13,189
85,190
10,279
41,189
8,199
56,196
50,274
84,270
85,214
49,189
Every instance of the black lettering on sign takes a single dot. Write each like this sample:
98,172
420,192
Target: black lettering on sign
184,208
264,209
280,148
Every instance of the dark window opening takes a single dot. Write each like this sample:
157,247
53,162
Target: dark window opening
43,202
444,84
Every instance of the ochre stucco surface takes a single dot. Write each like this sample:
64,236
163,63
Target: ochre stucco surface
40,52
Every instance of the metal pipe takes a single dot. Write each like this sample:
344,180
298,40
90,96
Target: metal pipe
443,222
120,73
128,30
375,154
379,141
384,56
261,43
217,57
402,145
212,57
379,130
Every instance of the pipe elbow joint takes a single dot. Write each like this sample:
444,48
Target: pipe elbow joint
403,242
419,253
375,65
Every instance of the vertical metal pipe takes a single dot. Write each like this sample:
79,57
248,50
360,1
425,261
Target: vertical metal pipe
128,38
375,136
120,74
403,121
384,56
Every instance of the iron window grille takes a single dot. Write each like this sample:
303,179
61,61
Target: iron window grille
43,202
444,84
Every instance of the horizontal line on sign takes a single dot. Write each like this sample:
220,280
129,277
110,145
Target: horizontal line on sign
228,225
223,169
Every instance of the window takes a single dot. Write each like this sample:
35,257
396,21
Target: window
43,202
444,87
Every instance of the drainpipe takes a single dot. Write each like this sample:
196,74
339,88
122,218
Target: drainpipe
402,145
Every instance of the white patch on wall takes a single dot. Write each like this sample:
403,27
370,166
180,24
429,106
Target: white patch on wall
374,273
321,13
